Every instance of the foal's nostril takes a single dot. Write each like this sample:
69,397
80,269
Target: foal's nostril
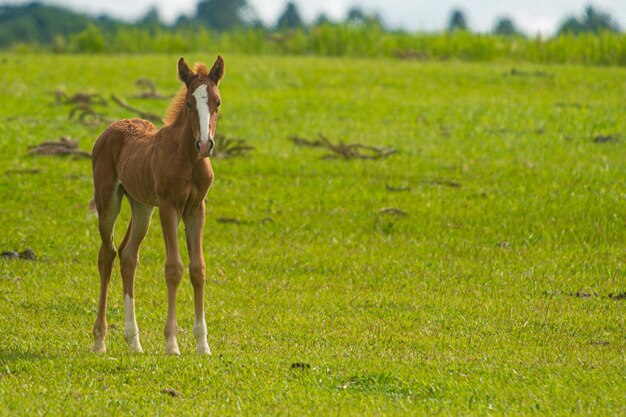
198,145
211,145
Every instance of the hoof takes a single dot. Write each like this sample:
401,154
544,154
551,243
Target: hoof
203,350
136,347
99,347
172,349
133,342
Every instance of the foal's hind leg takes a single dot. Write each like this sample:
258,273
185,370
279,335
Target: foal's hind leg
107,199
129,257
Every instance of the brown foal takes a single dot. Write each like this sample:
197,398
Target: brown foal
166,168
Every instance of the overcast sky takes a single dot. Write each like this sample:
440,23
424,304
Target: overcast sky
532,16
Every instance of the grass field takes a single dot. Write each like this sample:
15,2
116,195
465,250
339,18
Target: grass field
501,291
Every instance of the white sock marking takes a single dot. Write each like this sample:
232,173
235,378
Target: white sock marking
131,330
200,332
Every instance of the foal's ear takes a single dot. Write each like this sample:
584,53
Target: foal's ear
185,74
217,70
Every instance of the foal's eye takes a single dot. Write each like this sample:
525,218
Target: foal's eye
188,104
219,103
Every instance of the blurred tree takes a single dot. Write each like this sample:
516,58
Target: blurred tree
256,23
152,19
505,27
183,21
598,21
457,21
290,18
571,25
357,17
89,40
322,19
592,20
250,17
37,23
108,24
222,14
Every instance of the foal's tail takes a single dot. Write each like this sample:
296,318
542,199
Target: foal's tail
92,206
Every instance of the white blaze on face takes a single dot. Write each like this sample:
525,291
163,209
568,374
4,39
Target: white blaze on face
202,104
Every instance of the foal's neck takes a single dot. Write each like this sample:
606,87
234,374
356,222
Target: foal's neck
182,132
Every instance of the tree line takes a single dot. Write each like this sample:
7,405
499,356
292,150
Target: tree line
591,38
229,14
591,20
45,24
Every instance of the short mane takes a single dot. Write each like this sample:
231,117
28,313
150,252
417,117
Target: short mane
175,106
200,68
179,100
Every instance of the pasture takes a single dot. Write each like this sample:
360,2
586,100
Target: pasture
494,283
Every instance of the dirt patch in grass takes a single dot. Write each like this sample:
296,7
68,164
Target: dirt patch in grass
26,255
394,189
79,97
171,392
86,115
618,297
583,294
234,220
341,150
64,146
444,182
514,72
227,148
392,210
154,118
149,88
300,365
504,244
605,139
22,171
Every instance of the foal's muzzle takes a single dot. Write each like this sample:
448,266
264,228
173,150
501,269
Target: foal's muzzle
205,148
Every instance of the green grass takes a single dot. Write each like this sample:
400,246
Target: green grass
466,306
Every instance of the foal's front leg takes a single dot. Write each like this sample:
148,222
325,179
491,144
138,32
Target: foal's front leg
170,217
194,226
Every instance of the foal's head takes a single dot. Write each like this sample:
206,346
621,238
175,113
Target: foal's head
202,101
